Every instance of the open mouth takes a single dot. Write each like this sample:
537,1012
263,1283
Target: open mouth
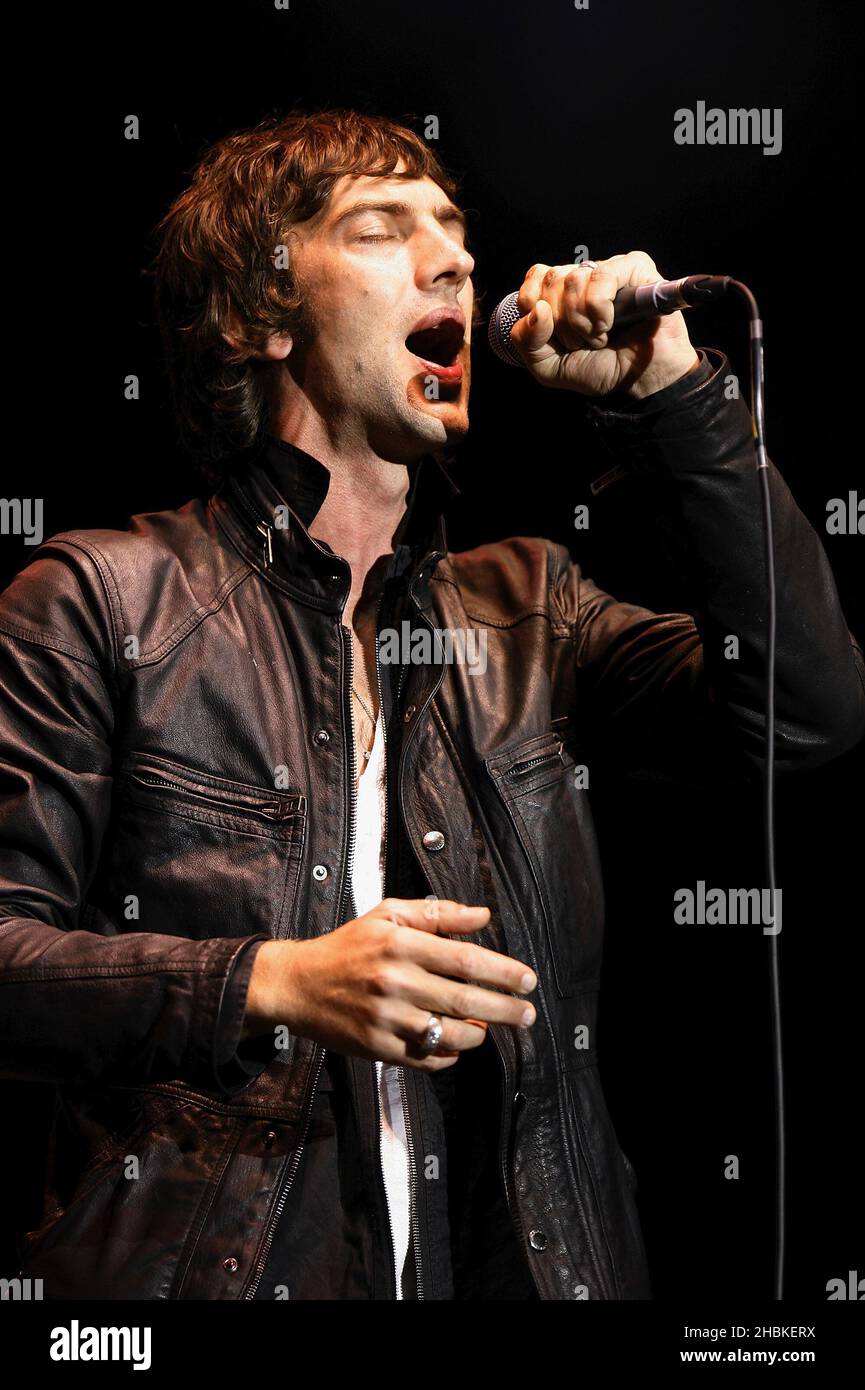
438,348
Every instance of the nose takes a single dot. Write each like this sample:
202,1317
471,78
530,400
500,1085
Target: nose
442,259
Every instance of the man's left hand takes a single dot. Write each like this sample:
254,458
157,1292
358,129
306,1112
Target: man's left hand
563,336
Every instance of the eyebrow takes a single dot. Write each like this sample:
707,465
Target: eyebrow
446,212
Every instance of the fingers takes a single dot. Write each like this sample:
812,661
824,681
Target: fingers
459,999
529,291
431,914
533,332
590,300
470,962
458,1035
580,298
400,1040
410,982
441,956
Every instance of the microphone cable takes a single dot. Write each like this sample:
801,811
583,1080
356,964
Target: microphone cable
758,427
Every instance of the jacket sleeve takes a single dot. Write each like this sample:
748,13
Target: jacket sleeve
75,1005
683,694
240,1061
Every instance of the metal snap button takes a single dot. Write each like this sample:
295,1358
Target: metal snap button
320,872
269,1138
230,1264
321,736
433,839
409,712
537,1240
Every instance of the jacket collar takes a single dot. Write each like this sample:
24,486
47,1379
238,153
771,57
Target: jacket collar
268,503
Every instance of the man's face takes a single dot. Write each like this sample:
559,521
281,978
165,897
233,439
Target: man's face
384,259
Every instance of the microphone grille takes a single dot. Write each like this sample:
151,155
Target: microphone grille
502,320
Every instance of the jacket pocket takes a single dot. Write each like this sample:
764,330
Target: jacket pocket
94,1132
198,855
124,1231
216,800
553,825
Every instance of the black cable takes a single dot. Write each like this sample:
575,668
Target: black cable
758,415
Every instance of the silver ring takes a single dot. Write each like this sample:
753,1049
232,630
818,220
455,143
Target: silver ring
593,265
433,1035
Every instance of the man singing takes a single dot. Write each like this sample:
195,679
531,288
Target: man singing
307,937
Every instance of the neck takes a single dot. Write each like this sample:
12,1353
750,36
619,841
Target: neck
365,503
358,518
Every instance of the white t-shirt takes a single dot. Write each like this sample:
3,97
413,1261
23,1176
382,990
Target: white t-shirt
367,881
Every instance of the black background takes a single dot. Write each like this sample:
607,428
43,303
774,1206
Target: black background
560,123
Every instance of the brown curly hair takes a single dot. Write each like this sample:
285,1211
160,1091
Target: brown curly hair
215,266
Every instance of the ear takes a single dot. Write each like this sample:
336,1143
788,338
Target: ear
276,350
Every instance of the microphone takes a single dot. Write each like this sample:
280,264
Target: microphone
631,304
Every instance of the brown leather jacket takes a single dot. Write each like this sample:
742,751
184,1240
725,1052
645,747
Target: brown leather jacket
175,762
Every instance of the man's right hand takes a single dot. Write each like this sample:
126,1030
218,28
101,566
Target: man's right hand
367,989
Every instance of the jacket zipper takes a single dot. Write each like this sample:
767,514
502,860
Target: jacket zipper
283,1196
413,1222
380,1108
352,798
519,769
391,1240
273,810
401,1075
